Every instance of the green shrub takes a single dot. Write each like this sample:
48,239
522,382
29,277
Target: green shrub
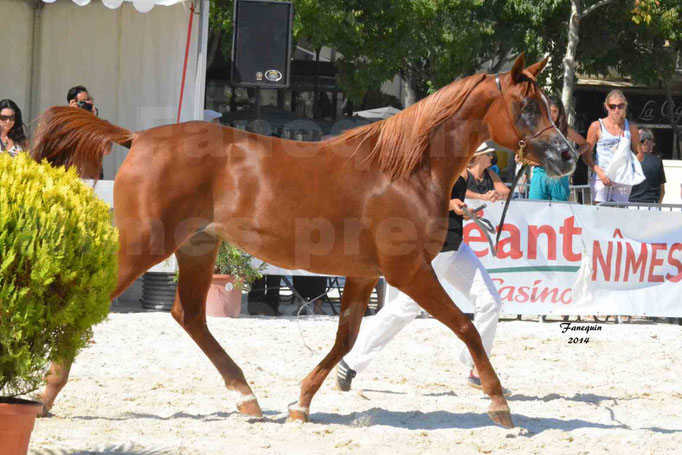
233,261
58,268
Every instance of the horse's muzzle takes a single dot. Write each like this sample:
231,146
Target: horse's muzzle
560,161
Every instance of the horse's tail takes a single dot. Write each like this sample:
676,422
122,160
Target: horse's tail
69,136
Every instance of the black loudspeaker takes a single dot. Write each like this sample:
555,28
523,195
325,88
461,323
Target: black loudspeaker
261,43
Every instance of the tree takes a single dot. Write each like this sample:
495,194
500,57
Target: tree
431,42
636,31
578,13
427,42
220,29
665,18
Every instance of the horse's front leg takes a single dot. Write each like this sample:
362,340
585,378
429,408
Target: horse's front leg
423,286
356,293
196,259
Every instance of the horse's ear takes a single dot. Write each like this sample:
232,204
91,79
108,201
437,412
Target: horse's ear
537,67
517,69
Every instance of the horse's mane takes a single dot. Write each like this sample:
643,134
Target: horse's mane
400,142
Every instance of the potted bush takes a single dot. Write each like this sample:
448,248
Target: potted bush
233,271
57,270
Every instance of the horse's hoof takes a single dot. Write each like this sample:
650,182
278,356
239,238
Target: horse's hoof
250,408
44,410
298,413
501,415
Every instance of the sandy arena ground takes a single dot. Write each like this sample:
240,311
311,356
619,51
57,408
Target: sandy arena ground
144,388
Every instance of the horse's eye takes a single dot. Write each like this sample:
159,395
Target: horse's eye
529,106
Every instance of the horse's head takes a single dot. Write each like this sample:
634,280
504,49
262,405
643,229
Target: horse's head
519,119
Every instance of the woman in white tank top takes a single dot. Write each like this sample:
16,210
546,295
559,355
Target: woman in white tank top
605,134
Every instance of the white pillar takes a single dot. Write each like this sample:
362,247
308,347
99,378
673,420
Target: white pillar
200,82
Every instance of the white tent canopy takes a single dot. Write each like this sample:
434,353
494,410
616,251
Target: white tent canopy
131,63
142,6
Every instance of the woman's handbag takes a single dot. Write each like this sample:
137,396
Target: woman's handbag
624,167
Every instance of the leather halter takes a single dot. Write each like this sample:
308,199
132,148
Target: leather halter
522,147
523,140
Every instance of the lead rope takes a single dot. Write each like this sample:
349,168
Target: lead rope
506,203
298,323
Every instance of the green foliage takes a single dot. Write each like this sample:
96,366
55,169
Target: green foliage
432,42
636,39
233,261
57,268
220,24
427,42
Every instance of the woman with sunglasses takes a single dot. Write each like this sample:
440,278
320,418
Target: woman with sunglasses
12,131
605,133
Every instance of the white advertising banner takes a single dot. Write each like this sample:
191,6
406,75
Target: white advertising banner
569,259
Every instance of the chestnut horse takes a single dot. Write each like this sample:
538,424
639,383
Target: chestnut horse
370,202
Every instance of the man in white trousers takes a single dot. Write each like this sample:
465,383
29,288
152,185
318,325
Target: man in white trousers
457,264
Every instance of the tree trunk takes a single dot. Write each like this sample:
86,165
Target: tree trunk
316,94
569,60
670,111
215,41
503,56
409,93
577,14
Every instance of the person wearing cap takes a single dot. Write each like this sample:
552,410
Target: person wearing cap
212,116
652,189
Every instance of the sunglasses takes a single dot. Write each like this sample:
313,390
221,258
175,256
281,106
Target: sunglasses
613,107
7,118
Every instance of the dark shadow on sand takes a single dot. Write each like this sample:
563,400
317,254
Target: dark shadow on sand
108,450
440,420
578,397
440,394
410,420
391,392
178,415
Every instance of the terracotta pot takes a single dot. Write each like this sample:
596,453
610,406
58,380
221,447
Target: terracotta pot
224,298
16,424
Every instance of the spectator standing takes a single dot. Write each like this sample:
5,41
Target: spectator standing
79,96
606,134
12,130
652,189
541,186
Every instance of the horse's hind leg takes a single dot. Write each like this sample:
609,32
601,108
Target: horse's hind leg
354,302
130,267
425,289
195,260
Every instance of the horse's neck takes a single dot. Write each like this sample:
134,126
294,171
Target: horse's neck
461,135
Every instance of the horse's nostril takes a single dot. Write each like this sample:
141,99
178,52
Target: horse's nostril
566,155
